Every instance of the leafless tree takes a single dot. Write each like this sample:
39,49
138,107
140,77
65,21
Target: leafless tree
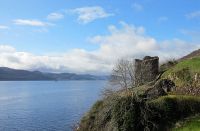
123,74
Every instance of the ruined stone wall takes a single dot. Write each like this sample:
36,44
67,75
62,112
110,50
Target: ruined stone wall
146,70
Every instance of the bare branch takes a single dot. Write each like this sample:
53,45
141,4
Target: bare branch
123,74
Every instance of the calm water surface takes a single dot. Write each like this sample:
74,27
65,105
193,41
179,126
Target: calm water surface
45,105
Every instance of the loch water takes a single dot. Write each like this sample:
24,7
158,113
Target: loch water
45,105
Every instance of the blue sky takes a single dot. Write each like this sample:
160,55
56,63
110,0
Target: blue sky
52,35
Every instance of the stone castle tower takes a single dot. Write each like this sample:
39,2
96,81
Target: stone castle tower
146,70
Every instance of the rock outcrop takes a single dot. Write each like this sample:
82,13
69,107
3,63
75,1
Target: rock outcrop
160,88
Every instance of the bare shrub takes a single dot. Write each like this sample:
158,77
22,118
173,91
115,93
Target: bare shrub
123,76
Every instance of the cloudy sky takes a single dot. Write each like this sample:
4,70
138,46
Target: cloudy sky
90,36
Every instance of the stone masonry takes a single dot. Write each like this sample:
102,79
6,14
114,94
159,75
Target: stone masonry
146,70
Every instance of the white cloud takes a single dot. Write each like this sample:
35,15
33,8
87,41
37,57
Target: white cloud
28,22
77,60
137,7
125,42
6,48
89,14
192,15
55,16
4,27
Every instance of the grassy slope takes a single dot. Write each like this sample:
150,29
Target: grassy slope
193,64
183,73
176,107
191,124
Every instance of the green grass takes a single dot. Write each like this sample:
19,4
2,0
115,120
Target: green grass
192,124
181,105
193,64
183,72
173,108
179,98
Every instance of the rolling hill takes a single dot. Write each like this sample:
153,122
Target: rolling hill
8,74
195,53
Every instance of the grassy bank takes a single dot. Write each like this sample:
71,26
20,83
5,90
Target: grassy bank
185,73
190,124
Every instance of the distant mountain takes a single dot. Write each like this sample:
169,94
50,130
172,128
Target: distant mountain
191,55
8,74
